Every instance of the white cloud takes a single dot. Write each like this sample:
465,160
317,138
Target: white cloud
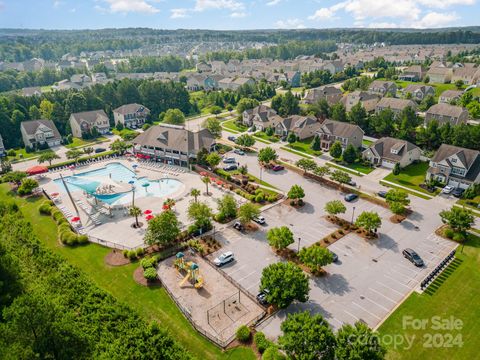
290,24
57,3
201,5
238,14
383,25
443,4
323,14
126,6
273,2
179,13
435,19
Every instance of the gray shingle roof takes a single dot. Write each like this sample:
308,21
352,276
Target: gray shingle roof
396,104
130,109
383,146
338,128
31,126
445,110
89,116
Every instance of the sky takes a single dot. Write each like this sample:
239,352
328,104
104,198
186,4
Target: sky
237,14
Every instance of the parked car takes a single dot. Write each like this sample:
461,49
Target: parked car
278,167
335,257
100,150
230,167
229,160
350,197
458,192
232,138
239,152
259,220
413,257
448,189
224,258
382,194
352,183
262,297
238,225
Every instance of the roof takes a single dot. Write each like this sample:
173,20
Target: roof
88,116
383,148
395,104
381,83
446,110
414,69
414,87
175,137
467,156
298,122
31,126
130,109
264,112
451,93
439,71
338,128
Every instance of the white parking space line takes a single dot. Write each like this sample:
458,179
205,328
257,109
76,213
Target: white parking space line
368,312
397,281
408,277
253,285
246,276
235,270
353,316
383,295
375,303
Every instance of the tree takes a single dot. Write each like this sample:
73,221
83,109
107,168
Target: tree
213,125
280,237
358,342
195,193
74,154
246,104
369,220
47,156
321,171
307,337
206,180
227,206
119,146
201,214
15,177
341,177
358,115
336,150
350,154
396,169
163,229
5,166
247,212
459,219
213,159
266,155
338,112
135,212
335,207
306,165
174,116
296,194
315,145
245,140
285,282
27,186
397,200
215,110
88,150
34,112
459,84
46,109
314,257
291,137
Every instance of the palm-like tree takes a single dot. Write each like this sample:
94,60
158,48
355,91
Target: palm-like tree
135,211
206,180
195,193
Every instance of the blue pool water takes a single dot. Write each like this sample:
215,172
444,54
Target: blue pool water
90,180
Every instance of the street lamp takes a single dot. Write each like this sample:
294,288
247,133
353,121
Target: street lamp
353,214
131,182
261,172
213,232
299,240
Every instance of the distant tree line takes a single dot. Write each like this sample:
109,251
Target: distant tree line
169,63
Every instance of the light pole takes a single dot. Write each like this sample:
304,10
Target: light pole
261,172
353,214
299,240
131,182
213,232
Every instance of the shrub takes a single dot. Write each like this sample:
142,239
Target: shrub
458,237
449,233
251,197
82,239
45,209
272,198
150,274
146,263
140,251
272,353
243,333
261,342
69,238
125,253
260,197
132,254
258,191
11,152
220,217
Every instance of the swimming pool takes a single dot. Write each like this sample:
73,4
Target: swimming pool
120,176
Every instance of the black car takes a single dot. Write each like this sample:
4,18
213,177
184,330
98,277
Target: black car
238,225
262,297
230,167
335,257
350,197
382,194
413,257
232,138
458,192
99,150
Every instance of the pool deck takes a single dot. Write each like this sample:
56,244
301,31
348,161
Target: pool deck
115,230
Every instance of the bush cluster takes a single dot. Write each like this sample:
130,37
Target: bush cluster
149,267
133,254
261,342
243,333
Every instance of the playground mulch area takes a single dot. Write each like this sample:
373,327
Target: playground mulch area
116,258
218,308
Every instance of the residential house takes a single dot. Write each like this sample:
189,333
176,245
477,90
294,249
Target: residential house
444,113
302,126
329,93
172,144
388,151
449,96
195,81
419,92
331,131
455,166
131,116
241,81
211,82
261,116
32,91
80,79
293,78
469,75
368,100
439,75
225,83
218,67
82,123
40,133
396,105
383,88
202,67
334,67
413,73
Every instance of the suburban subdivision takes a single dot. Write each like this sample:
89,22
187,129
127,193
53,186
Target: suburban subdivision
239,194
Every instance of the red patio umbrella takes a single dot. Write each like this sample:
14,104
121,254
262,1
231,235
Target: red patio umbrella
75,219
219,182
54,194
149,217
38,169
147,212
203,173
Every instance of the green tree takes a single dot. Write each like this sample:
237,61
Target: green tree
350,154
213,159
341,177
397,200
338,112
335,207
195,193
119,146
247,212
88,150
459,84
369,220
307,337
213,125
227,206
306,165
321,171
358,115
314,257
396,169
74,154
280,237
285,282
135,212
34,112
266,155
206,180
315,144
163,229
459,219
291,137
296,194
27,186
47,156
245,140
201,214
358,342
46,109
246,104
174,116
336,150
215,110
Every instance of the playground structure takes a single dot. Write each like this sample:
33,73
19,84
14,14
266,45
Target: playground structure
190,269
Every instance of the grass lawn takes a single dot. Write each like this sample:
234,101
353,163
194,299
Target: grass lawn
367,143
151,303
21,155
125,132
262,135
233,126
411,176
299,153
77,142
472,203
359,167
439,88
456,292
304,146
